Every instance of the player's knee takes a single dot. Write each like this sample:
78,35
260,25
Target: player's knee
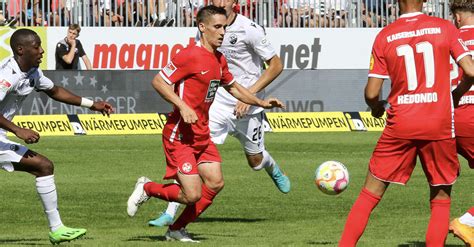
255,161
192,198
216,186
45,168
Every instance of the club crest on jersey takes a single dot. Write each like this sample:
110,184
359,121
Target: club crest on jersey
186,168
233,39
4,85
169,69
211,91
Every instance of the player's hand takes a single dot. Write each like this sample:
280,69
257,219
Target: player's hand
272,103
71,42
379,109
241,109
27,135
102,107
188,114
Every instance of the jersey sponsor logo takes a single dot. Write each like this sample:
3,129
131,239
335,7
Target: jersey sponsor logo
186,168
233,39
169,69
4,85
211,91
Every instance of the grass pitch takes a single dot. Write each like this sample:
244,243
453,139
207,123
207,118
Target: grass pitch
95,175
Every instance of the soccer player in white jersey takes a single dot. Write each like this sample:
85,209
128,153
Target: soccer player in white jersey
19,76
246,49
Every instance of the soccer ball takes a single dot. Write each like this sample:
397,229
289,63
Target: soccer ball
332,177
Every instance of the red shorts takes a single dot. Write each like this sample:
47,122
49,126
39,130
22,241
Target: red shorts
394,159
465,147
185,158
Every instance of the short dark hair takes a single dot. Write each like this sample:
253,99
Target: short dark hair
462,6
205,13
20,36
75,27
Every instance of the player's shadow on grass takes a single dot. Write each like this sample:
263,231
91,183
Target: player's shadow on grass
24,241
155,238
423,244
227,219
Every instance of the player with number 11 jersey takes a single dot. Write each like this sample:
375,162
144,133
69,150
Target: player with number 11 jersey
414,51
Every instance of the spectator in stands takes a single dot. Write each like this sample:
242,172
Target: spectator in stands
336,12
190,9
69,50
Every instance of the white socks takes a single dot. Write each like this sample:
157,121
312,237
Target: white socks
47,192
172,208
467,219
162,16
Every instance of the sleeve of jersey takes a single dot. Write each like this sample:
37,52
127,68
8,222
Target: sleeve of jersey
61,50
227,77
177,69
457,47
44,82
378,65
80,49
260,43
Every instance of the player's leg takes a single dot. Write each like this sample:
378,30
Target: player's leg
166,218
463,227
213,182
441,166
43,169
181,164
249,130
393,160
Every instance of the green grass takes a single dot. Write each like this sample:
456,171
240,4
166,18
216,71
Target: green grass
95,175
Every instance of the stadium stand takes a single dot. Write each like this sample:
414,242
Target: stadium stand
181,13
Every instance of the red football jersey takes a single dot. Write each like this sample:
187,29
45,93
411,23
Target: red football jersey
414,52
464,114
196,73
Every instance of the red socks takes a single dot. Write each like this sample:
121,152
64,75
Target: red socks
439,223
191,212
471,211
358,218
168,192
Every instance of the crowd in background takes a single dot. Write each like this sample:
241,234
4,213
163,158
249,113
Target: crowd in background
181,13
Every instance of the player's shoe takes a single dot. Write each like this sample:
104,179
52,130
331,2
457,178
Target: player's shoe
138,196
462,231
66,234
180,235
164,220
281,180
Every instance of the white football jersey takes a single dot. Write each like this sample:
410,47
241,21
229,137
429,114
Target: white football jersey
246,48
16,85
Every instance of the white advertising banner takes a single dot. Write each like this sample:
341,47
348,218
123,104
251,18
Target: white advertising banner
143,48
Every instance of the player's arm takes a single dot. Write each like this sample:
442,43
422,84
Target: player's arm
69,56
467,65
27,135
243,94
275,67
166,91
63,95
372,95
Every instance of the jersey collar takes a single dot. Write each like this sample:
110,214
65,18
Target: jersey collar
408,15
467,26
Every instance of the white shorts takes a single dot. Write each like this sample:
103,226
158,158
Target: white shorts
10,152
249,130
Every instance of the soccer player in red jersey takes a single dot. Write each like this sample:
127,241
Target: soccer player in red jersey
463,12
190,82
414,53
